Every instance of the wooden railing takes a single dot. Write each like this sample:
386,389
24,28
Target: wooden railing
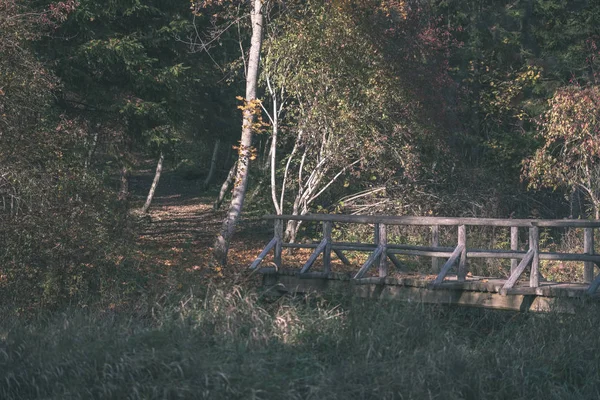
382,251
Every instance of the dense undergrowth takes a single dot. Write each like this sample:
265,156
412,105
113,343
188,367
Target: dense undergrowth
236,344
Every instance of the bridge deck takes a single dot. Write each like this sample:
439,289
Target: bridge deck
475,291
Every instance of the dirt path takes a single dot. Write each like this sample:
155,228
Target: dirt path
182,226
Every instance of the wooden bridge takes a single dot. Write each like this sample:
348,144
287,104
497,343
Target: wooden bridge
452,283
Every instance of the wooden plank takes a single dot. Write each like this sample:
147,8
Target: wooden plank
435,242
462,263
446,268
397,263
534,244
445,221
342,257
594,285
376,241
263,253
369,248
419,252
311,275
588,248
363,270
570,257
300,245
514,246
278,229
496,254
374,289
313,256
327,249
383,260
514,277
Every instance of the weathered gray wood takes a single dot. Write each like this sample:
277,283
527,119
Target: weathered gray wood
419,253
397,263
263,253
446,268
313,256
514,277
588,248
421,293
376,240
476,253
370,261
514,246
278,232
534,244
445,221
383,260
342,257
311,275
435,242
570,257
300,245
327,249
594,285
462,263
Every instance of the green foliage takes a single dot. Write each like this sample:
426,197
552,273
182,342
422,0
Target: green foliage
570,155
59,225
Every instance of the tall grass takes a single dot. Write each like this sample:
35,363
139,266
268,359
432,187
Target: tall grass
235,345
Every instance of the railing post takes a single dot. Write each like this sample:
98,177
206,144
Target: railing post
534,244
278,233
435,242
383,263
376,239
588,248
462,264
514,246
327,252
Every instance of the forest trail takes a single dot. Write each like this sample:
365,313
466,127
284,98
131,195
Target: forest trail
180,232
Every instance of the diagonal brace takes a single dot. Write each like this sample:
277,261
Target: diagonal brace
313,256
446,268
363,270
264,253
514,277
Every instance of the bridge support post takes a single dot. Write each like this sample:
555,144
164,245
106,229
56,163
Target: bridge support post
327,250
588,248
534,246
383,262
435,242
278,234
514,246
462,264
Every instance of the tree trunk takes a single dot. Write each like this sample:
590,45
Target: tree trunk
124,190
221,246
225,187
159,167
213,164
91,151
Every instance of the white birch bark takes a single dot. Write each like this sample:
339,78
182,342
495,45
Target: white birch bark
152,190
221,246
213,164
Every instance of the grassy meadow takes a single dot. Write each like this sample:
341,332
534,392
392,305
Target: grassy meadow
237,344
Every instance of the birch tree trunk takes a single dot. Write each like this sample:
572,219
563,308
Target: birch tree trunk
221,246
159,167
124,190
225,187
213,164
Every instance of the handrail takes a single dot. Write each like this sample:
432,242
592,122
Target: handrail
444,221
458,255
